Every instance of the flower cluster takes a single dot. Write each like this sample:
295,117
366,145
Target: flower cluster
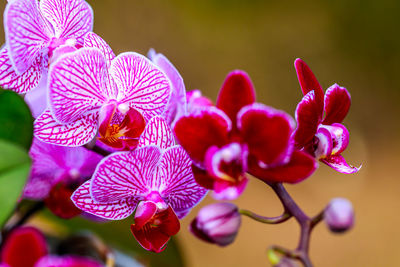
119,135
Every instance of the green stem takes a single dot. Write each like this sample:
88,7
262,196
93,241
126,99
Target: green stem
268,220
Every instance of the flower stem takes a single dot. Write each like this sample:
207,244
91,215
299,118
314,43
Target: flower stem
306,225
268,220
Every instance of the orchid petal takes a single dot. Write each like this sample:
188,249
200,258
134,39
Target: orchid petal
307,120
177,106
202,129
202,177
37,187
196,101
267,133
26,240
78,82
116,210
177,183
308,83
77,133
70,18
158,133
324,145
300,166
236,92
145,211
337,104
67,261
141,84
93,40
228,191
27,33
338,163
125,174
23,83
36,99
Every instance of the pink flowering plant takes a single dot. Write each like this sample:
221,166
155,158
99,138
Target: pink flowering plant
109,138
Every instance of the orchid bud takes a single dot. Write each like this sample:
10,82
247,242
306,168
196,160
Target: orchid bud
217,223
339,215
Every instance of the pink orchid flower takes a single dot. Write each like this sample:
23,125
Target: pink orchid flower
196,101
177,106
323,137
56,171
36,34
91,90
26,247
239,136
156,179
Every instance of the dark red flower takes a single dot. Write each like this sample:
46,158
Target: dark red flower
322,137
239,136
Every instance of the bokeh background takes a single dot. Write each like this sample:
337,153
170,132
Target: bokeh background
351,42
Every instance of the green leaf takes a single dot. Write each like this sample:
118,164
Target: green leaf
15,119
14,170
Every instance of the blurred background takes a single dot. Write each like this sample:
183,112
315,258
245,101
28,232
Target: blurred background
353,43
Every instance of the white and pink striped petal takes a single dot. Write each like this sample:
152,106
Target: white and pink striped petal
78,83
23,83
76,133
141,84
116,210
176,181
93,40
69,18
27,33
125,174
158,133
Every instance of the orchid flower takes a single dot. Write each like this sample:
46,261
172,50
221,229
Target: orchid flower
36,34
56,172
26,247
91,90
323,137
239,136
156,179
177,106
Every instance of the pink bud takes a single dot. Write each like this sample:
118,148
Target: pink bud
339,215
217,223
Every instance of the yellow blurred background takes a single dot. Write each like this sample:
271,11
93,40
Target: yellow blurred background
353,43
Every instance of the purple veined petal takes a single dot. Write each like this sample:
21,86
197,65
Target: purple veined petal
78,82
70,18
23,83
177,184
158,133
27,33
338,163
37,98
114,210
141,84
125,174
177,106
93,40
77,133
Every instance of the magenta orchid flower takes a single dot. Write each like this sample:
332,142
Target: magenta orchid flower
323,137
239,136
91,90
177,106
36,34
156,179
56,172
26,247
